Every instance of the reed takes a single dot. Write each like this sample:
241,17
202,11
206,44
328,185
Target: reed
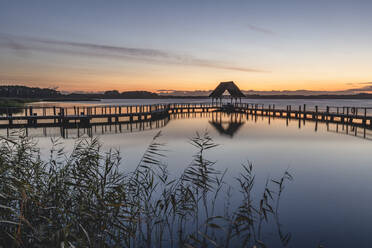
89,199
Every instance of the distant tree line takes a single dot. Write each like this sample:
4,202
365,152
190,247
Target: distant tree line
112,94
15,91
129,94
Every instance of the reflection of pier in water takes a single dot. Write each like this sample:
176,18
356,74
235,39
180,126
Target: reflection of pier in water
142,118
117,127
76,131
352,129
227,124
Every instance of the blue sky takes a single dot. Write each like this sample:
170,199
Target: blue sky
185,45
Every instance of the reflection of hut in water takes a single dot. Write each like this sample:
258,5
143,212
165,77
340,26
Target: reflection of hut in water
227,90
226,127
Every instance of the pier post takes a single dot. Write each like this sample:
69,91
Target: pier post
54,114
287,111
269,112
365,117
10,119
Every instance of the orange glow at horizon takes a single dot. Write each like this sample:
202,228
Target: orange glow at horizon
100,85
103,83
108,74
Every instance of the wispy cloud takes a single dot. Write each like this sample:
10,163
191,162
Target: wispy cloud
361,89
368,83
24,44
260,29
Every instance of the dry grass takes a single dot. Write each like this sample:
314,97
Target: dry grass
84,200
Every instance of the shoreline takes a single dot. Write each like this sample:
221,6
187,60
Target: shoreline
274,97
20,102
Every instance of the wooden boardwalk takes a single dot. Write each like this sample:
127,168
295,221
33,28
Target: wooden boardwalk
85,116
230,119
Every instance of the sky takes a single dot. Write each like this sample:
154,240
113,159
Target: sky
186,45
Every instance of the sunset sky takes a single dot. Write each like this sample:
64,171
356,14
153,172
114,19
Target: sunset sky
186,45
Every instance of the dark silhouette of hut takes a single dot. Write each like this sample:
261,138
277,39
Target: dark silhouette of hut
234,92
227,128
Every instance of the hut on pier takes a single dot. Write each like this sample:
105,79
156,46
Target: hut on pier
227,90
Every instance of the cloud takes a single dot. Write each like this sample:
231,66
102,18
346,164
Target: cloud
260,29
369,83
361,89
24,44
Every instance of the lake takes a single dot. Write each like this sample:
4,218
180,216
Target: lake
327,203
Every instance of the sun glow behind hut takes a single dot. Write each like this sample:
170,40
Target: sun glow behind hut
227,90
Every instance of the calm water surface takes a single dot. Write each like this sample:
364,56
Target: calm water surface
329,202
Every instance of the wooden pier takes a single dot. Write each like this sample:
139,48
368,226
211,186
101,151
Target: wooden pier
85,116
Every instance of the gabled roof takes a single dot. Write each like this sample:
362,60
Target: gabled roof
230,87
